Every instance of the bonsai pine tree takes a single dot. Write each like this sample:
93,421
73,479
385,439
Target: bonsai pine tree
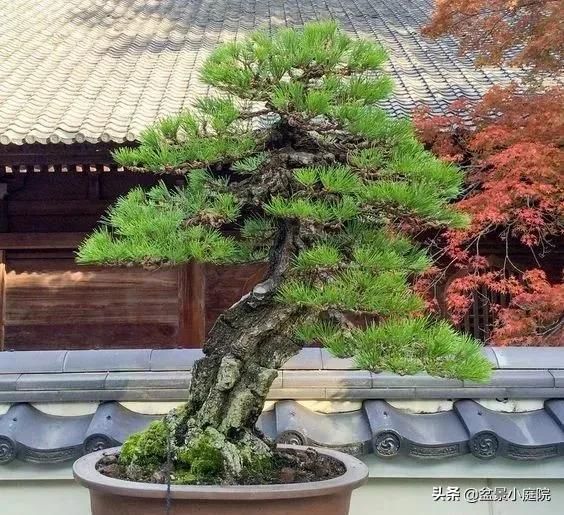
292,162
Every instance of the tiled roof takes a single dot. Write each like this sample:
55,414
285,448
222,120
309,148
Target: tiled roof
102,70
29,434
519,414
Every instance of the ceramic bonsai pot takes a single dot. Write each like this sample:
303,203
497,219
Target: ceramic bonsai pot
110,496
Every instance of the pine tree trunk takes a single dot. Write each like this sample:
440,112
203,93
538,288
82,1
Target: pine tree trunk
245,349
242,354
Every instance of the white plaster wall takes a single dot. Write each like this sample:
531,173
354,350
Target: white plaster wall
53,497
31,490
414,496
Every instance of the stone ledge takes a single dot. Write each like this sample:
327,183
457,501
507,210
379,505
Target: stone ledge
161,360
147,374
529,357
154,393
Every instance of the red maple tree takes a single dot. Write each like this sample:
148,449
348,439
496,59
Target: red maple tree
515,197
511,145
519,32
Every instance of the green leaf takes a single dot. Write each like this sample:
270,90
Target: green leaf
339,179
306,176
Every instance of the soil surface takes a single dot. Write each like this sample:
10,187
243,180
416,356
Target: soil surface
290,466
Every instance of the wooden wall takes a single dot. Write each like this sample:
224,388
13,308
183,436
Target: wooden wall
47,301
53,303
50,302
55,196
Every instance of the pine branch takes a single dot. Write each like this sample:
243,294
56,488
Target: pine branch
327,190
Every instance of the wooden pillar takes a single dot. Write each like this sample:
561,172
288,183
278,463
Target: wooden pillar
4,226
3,207
192,305
93,185
2,298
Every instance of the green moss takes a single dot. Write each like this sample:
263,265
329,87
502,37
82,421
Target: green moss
257,466
211,457
147,449
184,477
202,457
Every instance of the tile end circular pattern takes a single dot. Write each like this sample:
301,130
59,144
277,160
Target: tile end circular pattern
387,444
291,437
484,445
8,450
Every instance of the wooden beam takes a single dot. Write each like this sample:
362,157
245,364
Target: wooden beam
2,298
45,240
59,207
192,305
53,153
4,215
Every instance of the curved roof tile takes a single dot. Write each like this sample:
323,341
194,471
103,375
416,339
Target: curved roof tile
459,424
31,435
88,68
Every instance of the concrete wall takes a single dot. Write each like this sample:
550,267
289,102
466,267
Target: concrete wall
395,488
415,496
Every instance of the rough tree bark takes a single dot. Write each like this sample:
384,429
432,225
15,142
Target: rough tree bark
242,354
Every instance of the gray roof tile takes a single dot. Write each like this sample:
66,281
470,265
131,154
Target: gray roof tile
330,362
483,392
135,394
490,354
88,75
292,393
518,378
327,378
298,425
369,393
174,359
433,435
307,359
72,381
8,381
539,393
532,435
520,357
32,361
558,377
267,423
388,379
555,408
37,437
111,425
108,360
137,380
378,427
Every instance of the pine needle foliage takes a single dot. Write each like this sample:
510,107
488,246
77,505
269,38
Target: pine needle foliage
350,178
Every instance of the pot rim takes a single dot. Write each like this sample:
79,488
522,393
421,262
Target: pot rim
356,474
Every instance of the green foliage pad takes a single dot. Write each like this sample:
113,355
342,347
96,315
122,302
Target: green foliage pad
293,131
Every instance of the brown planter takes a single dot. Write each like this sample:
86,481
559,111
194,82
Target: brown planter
116,497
